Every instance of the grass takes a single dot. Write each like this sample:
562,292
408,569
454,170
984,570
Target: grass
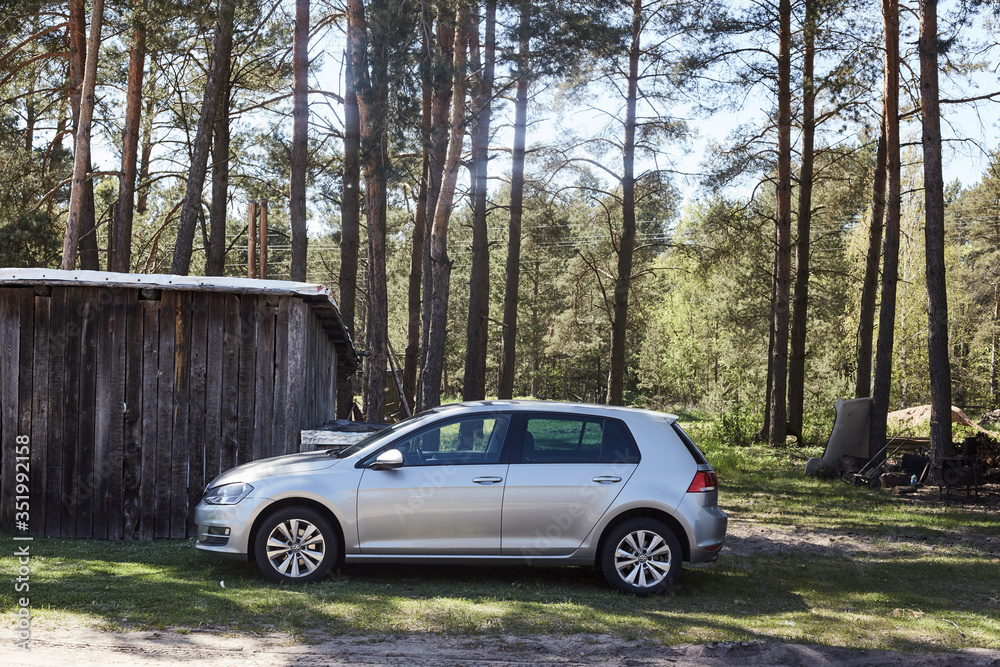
930,582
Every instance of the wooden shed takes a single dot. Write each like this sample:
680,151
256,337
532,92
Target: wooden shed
122,395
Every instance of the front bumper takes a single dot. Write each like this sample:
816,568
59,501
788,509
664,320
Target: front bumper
225,529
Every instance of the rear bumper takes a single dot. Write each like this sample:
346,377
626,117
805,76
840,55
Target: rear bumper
708,524
714,550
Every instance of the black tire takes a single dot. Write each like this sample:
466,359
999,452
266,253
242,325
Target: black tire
296,545
641,556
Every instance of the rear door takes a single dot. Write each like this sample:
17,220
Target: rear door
565,472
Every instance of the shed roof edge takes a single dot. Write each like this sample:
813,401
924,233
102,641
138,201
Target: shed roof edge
310,292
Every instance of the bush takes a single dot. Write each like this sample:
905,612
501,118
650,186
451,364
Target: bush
736,428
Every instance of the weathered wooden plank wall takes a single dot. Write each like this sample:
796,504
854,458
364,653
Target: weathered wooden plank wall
135,350
319,389
133,399
10,351
197,406
230,381
247,374
40,411
54,397
264,372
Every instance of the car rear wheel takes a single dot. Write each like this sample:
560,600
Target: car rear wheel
295,545
641,556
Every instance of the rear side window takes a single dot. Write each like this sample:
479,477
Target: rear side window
559,439
619,445
696,454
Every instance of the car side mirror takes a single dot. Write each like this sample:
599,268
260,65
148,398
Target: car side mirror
389,460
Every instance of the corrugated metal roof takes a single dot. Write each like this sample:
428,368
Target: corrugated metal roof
317,296
161,281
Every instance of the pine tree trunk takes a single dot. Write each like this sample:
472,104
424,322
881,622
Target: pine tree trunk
782,277
508,353
378,301
866,317
300,138
430,381
191,208
81,153
147,152
440,106
350,210
626,245
215,255
536,357
765,430
474,383
800,319
373,104
993,350
890,248
937,292
77,62
30,116
121,233
411,359
903,348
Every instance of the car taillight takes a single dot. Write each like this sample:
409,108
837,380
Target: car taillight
703,482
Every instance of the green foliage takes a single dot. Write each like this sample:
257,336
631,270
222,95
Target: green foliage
31,240
31,234
973,226
736,428
699,315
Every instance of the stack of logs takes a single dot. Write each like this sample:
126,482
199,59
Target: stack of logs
987,451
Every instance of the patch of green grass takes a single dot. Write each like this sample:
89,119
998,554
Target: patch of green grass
927,583
892,600
762,484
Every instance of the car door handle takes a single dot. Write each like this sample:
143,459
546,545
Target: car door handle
607,479
487,480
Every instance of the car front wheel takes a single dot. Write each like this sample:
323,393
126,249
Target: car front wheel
641,556
295,545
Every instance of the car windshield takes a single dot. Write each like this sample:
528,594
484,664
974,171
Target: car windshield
379,436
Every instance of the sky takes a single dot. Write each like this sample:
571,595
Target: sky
969,130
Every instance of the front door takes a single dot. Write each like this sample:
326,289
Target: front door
447,497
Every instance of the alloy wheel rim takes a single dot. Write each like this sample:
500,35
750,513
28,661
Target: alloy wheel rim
295,548
642,558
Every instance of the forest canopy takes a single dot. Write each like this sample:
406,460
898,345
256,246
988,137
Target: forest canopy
736,207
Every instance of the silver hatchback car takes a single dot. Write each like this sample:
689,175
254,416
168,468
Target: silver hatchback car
484,483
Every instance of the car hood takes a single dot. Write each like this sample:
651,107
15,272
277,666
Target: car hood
279,465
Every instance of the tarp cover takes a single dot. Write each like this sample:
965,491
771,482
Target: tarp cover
850,431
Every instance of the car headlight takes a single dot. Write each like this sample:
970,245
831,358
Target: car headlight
228,494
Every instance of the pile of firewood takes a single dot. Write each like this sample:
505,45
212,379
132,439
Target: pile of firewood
987,451
990,418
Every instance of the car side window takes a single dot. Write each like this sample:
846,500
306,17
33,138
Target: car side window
562,440
556,439
619,445
465,441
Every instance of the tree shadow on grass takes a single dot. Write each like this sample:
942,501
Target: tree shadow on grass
753,596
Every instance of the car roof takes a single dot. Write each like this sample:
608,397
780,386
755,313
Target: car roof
593,409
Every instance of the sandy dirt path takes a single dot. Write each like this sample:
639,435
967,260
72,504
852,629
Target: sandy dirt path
87,647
